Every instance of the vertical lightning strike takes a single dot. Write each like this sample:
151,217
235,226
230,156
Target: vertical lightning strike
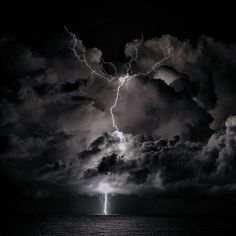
118,133
105,203
104,189
103,198
122,81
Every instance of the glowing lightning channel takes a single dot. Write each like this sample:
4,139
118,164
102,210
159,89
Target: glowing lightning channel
104,188
153,68
84,59
133,58
121,79
105,204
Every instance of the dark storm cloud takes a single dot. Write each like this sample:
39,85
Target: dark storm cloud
159,166
209,64
18,60
157,109
56,126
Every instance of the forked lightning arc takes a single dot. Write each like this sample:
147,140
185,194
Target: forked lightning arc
80,54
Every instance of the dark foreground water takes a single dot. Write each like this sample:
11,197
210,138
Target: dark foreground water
117,225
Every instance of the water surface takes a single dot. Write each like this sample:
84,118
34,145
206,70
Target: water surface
65,225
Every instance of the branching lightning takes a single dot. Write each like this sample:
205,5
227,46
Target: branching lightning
122,80
105,203
83,58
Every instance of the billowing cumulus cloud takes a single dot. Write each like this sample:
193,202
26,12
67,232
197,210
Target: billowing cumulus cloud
151,165
210,65
178,121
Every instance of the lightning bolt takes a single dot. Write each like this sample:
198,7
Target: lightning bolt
153,68
104,189
105,204
122,80
83,58
133,58
104,201
103,198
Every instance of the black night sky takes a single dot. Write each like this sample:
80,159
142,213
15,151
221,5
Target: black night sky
57,142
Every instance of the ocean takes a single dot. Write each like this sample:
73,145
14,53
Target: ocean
111,225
